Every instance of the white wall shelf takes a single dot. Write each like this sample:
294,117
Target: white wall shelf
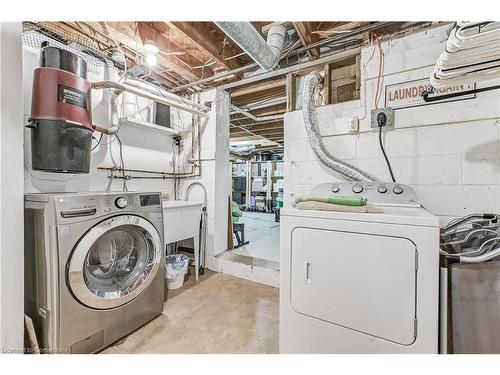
131,121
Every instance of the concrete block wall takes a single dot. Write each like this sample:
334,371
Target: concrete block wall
449,152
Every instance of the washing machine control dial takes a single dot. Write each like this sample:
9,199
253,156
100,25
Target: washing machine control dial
335,189
121,202
357,188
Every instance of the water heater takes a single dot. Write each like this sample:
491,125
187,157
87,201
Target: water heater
61,116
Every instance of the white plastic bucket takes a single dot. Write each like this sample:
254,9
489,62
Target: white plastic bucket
176,267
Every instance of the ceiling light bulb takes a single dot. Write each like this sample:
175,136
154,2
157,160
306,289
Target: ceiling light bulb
150,46
151,59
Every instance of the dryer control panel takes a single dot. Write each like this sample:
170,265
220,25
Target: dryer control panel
381,193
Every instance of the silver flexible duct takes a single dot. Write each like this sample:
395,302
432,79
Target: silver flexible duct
315,140
265,53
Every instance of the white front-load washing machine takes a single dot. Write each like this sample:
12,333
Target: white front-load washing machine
93,267
360,282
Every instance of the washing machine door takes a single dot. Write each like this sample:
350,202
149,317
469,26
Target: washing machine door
114,262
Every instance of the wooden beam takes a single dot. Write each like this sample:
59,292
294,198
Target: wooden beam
100,40
182,64
199,34
257,88
304,30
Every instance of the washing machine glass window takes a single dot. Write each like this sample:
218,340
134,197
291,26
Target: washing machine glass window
114,262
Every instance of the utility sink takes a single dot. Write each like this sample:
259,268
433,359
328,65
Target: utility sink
181,220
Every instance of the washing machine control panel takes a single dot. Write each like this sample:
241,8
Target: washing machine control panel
381,193
75,207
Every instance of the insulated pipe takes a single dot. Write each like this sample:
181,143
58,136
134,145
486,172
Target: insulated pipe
142,93
316,141
265,53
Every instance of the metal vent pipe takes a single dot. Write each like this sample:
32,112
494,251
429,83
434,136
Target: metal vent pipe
316,141
265,53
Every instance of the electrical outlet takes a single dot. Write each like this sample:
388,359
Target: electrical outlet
382,114
353,124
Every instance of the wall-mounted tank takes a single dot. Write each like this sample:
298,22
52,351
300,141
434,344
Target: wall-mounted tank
61,116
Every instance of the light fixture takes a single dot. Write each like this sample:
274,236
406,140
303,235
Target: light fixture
151,47
151,59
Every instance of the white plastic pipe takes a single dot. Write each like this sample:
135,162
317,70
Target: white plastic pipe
472,54
148,95
156,90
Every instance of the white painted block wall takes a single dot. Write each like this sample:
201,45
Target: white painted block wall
449,152
11,192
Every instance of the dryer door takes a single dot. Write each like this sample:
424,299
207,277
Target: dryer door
114,262
362,282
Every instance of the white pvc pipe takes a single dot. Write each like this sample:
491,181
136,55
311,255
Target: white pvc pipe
145,94
155,90
472,54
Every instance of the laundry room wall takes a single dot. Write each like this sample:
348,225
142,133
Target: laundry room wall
146,149
449,152
11,197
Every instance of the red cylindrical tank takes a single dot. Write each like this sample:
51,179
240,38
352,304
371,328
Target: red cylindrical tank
61,116
62,96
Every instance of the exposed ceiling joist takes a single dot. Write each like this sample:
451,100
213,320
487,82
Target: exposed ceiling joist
182,64
304,32
257,88
200,35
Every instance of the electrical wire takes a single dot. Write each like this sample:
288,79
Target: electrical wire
383,152
377,98
97,144
48,179
380,68
124,73
122,163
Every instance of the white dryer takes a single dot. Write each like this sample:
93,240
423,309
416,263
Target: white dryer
360,282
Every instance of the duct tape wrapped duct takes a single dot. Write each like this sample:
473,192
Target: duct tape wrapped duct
316,141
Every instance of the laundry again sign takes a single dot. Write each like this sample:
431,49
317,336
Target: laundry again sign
409,94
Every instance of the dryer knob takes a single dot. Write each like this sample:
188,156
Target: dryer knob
382,189
121,202
397,189
357,188
335,189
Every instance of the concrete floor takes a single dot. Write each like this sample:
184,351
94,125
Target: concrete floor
217,314
263,234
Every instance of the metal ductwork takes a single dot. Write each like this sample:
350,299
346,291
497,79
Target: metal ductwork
242,150
235,109
315,140
265,53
